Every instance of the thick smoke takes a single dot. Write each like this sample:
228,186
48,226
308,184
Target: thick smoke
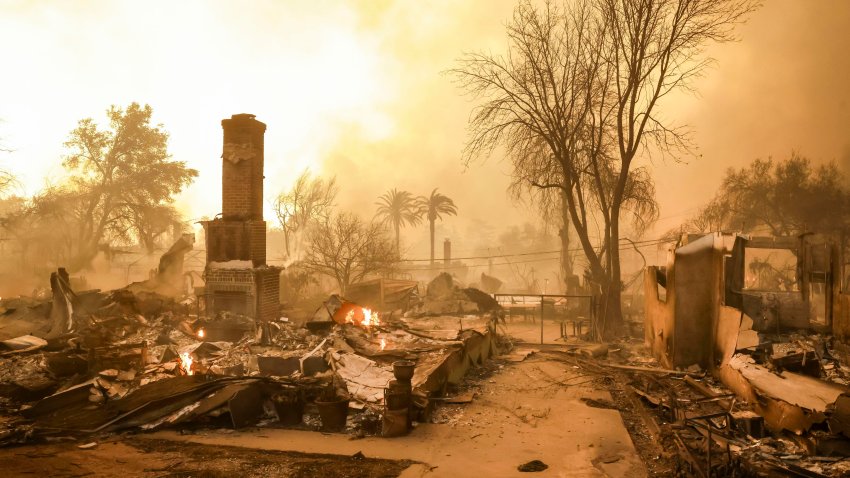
782,87
356,90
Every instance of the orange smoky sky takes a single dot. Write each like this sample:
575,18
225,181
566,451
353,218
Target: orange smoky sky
355,89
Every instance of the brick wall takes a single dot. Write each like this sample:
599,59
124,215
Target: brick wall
236,241
257,243
268,293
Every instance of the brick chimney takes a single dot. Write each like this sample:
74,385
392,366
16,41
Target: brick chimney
242,168
237,277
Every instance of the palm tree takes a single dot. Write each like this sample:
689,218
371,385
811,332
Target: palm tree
433,207
399,208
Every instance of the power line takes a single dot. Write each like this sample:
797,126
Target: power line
472,266
625,246
488,257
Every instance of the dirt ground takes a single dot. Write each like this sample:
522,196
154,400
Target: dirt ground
144,457
525,406
534,409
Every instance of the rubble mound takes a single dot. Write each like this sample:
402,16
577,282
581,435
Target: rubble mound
441,287
445,297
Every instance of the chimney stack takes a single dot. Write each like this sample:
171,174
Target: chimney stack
237,278
242,168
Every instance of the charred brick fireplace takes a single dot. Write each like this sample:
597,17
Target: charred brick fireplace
237,277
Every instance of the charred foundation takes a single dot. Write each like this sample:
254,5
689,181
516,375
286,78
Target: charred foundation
238,280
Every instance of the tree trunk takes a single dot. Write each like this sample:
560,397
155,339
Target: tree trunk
432,242
149,243
397,247
566,259
286,242
612,303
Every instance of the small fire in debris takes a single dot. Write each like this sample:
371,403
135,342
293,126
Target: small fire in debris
383,344
186,363
201,333
369,318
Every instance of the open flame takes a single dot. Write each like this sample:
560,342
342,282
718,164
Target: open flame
201,333
369,319
186,363
383,344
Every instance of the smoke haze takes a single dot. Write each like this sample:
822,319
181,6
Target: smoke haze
355,89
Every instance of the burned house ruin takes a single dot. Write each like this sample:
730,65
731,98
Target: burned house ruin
766,316
238,280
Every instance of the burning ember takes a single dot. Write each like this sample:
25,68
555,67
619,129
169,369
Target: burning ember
186,363
383,344
201,333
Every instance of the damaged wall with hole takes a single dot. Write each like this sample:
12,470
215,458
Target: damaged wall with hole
766,316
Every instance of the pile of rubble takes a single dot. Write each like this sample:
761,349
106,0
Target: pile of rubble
767,318
445,297
706,429
133,359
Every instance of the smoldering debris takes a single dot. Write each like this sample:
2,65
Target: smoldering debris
139,360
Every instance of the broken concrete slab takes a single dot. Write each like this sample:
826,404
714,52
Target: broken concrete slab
787,401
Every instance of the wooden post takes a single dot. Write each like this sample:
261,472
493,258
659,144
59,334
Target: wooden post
541,320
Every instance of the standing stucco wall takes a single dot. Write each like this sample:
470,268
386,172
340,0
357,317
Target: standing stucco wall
658,315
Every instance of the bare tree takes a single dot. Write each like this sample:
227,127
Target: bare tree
348,249
7,182
714,216
310,200
7,179
575,99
